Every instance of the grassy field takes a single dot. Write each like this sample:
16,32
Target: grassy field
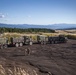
71,34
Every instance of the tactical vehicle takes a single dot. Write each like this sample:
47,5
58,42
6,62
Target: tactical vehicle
58,39
20,41
42,39
3,42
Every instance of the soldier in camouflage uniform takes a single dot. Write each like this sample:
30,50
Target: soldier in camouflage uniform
27,51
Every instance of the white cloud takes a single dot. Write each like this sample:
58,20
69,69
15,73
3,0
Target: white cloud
29,16
1,15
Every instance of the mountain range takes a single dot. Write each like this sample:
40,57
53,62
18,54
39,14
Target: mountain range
52,26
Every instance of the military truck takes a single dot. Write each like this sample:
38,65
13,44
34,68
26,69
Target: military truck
20,41
57,39
42,39
3,42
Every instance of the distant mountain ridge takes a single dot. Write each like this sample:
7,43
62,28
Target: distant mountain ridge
52,26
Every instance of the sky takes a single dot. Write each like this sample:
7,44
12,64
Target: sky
40,12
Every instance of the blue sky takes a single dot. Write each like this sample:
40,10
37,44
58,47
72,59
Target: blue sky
41,12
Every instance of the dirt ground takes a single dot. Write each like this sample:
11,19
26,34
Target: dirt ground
50,59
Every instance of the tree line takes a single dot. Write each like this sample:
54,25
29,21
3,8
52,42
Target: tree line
30,30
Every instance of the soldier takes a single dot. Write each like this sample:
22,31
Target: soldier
27,51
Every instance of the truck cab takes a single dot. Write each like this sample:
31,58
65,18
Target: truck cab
3,42
42,39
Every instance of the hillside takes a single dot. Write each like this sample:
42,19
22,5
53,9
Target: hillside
52,26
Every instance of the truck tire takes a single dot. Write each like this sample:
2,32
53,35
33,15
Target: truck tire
5,46
30,43
42,42
52,42
55,42
17,45
21,44
1,46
